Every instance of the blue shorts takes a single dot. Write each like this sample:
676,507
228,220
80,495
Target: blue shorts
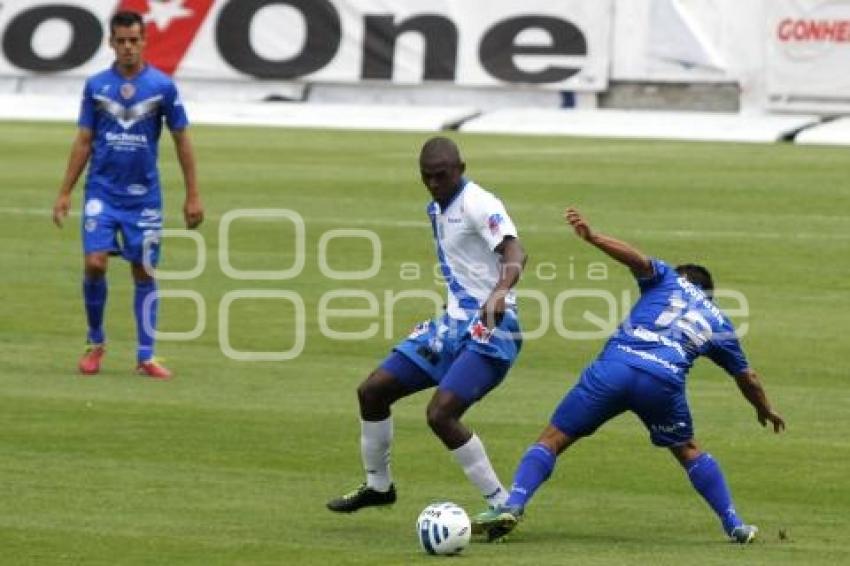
456,356
606,389
131,232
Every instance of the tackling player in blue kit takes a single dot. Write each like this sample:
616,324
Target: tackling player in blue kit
120,123
642,369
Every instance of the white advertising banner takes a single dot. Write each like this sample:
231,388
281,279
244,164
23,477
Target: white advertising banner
808,53
557,45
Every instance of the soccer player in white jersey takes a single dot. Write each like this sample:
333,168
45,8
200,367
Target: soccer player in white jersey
466,352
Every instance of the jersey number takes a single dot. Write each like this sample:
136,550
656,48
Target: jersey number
687,321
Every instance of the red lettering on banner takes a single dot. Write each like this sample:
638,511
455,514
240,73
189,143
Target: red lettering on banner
813,31
171,27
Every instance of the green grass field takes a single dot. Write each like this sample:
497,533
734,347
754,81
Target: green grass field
232,462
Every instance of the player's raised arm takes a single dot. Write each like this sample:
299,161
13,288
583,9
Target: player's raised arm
752,390
80,152
193,208
626,254
513,260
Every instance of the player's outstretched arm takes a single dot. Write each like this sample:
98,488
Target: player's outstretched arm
193,208
752,390
513,262
80,152
626,254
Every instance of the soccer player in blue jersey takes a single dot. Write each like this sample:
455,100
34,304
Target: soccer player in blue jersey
466,352
120,122
642,369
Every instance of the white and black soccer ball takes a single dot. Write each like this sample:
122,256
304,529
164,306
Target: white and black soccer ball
443,528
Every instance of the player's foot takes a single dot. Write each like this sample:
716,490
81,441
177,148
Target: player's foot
744,534
152,368
496,522
363,496
90,362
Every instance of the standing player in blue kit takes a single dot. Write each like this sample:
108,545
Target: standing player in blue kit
120,123
642,369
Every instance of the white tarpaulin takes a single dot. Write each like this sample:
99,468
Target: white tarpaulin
692,126
559,45
808,52
677,35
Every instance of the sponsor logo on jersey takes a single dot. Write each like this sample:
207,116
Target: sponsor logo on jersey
137,190
650,357
667,428
126,139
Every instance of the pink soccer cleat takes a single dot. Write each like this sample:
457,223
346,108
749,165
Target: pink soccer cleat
90,362
152,368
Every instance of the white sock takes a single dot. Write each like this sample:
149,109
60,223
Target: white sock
375,440
473,459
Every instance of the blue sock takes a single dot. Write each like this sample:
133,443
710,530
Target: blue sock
94,297
143,289
535,468
707,478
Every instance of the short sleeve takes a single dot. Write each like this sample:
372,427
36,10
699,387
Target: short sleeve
726,352
87,108
660,270
175,113
488,217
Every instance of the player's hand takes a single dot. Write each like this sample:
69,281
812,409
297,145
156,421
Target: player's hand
61,208
775,419
193,212
493,309
578,222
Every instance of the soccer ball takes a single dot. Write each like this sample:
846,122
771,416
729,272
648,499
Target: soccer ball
443,528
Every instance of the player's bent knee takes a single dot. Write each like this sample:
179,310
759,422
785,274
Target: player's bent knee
376,390
686,452
440,417
95,265
435,417
366,394
555,439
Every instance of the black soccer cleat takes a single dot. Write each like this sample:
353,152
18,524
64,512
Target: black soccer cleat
363,496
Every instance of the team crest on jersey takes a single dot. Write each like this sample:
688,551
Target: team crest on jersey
93,207
480,332
128,91
494,222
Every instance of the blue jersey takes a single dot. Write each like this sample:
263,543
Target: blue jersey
125,117
671,325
